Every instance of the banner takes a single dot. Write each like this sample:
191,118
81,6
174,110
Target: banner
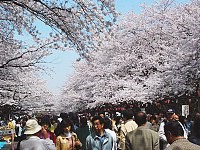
185,110
6,134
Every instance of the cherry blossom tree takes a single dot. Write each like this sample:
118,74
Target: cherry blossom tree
25,91
16,61
150,55
37,96
74,23
70,24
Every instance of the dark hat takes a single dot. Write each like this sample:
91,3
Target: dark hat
170,111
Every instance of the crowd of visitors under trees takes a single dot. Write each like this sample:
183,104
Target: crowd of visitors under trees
128,128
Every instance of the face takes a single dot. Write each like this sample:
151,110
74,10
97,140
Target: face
170,116
120,121
101,115
67,129
45,126
97,126
153,121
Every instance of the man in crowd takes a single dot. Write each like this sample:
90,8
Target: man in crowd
128,126
175,136
99,139
32,141
163,140
142,138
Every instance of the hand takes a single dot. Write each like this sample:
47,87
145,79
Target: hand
78,143
44,132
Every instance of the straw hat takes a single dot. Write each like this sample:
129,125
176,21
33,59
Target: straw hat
32,127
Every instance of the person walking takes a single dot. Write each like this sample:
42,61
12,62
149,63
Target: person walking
170,115
67,139
128,126
142,138
32,141
46,124
99,139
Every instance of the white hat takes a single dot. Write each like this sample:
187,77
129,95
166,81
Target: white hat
32,127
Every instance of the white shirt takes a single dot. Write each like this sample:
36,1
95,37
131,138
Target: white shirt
19,129
35,143
114,136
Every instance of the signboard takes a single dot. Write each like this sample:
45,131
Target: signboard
185,110
6,134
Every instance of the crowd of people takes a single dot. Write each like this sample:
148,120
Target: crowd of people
127,130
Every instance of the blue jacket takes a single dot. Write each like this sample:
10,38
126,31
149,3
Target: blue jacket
93,142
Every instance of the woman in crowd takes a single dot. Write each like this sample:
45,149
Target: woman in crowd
67,139
46,124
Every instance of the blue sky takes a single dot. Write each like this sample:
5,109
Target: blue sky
62,61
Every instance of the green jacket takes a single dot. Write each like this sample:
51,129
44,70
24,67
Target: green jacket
142,138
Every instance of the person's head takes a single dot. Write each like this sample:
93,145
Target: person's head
148,117
98,124
45,123
169,115
83,121
118,120
153,119
32,127
128,114
141,118
102,114
173,130
64,115
19,121
107,123
66,126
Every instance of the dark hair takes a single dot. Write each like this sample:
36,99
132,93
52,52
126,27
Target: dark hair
101,120
174,128
153,117
101,113
83,121
46,121
64,115
128,114
64,123
118,118
107,123
140,118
